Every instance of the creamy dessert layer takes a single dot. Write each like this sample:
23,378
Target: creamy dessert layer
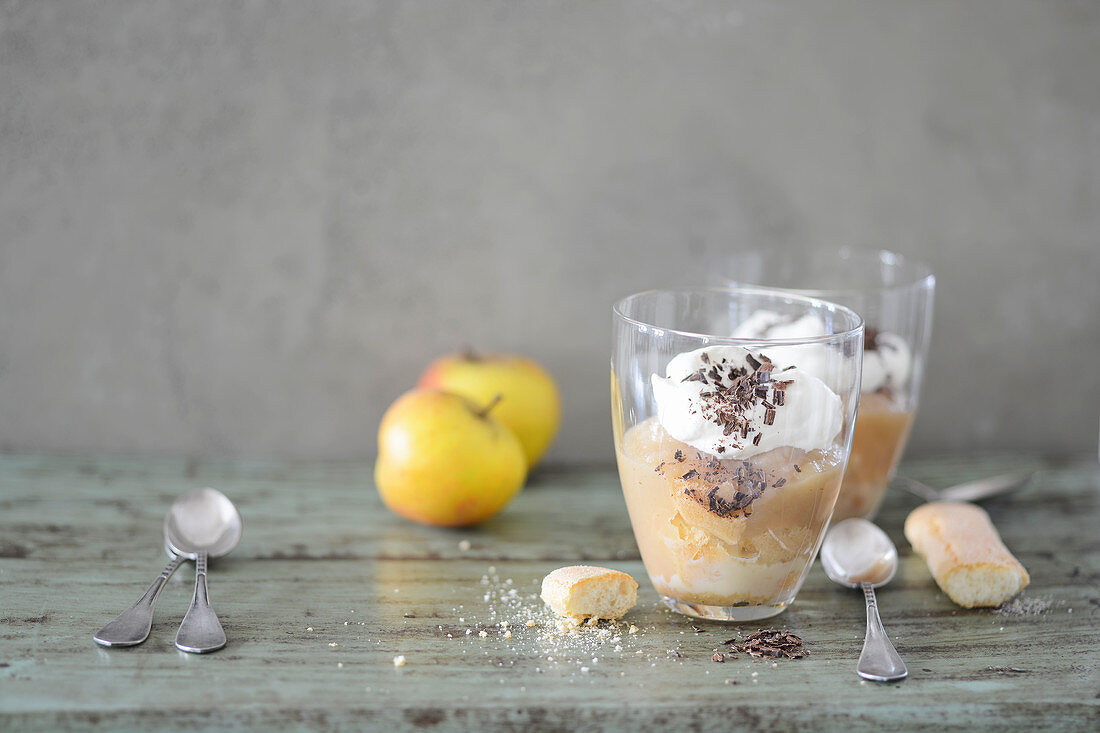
725,532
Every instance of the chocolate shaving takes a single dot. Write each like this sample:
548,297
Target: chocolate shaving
678,455
756,438
770,644
797,469
870,339
753,362
779,482
690,474
718,657
769,416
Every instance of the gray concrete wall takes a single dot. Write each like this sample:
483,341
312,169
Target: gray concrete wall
242,228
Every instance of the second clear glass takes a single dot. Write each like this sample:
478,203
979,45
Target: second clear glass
894,296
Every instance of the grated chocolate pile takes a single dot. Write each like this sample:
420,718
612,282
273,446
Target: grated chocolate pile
766,644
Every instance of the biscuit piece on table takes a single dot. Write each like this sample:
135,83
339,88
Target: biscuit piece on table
965,553
587,592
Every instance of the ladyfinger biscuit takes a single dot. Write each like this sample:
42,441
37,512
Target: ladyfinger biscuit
965,553
583,591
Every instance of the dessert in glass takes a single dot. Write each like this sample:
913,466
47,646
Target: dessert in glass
730,452
894,296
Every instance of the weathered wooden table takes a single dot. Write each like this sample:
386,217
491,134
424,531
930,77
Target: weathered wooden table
328,587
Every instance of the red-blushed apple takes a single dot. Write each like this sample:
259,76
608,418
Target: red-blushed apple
530,404
445,460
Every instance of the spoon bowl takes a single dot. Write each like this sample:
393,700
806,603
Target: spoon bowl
203,520
856,551
857,554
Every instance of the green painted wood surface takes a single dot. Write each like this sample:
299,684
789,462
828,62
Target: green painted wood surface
80,538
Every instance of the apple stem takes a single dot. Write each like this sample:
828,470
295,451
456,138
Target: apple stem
484,412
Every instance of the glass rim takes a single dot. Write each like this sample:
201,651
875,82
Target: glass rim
923,277
791,295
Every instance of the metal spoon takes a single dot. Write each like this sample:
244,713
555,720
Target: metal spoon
984,488
132,626
857,554
202,524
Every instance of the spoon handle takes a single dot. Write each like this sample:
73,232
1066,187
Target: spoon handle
878,661
131,627
918,489
200,631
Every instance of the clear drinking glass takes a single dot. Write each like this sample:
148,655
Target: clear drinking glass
730,452
894,296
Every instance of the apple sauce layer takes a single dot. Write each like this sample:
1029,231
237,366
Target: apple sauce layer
877,444
724,550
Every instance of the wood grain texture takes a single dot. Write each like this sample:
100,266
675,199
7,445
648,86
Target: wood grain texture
80,539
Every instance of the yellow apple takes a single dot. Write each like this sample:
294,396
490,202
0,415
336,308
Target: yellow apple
445,460
530,404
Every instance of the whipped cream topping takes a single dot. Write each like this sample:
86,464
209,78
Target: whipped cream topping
765,324
887,360
728,402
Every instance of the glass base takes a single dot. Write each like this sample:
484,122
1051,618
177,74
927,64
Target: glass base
725,613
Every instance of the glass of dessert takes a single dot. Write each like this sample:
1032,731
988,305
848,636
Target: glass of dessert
894,296
730,452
